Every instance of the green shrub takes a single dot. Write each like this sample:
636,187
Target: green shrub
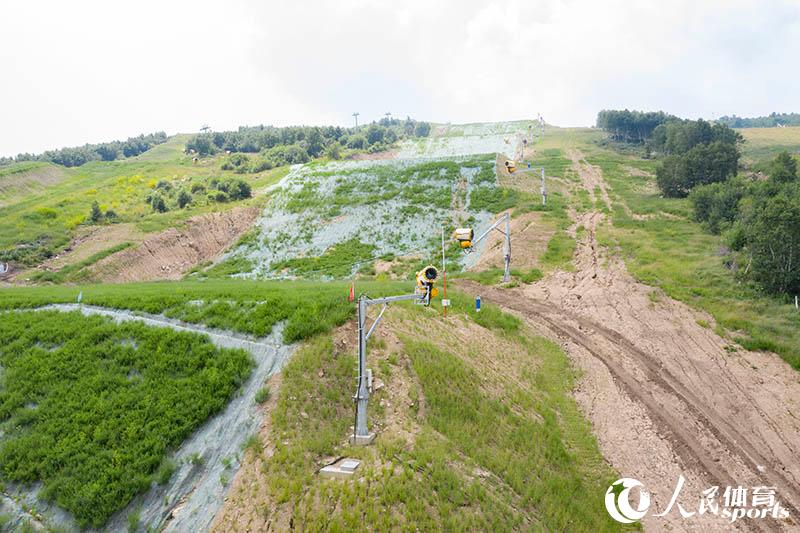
263,394
184,199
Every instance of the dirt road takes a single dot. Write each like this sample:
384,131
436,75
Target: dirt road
666,396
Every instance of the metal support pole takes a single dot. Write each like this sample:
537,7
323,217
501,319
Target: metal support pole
544,191
362,434
444,275
507,246
507,273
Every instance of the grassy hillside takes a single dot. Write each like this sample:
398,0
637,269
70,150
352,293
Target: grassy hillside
23,179
763,143
543,467
90,408
463,444
478,429
41,222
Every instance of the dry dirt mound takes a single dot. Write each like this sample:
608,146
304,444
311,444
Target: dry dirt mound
92,240
666,395
170,254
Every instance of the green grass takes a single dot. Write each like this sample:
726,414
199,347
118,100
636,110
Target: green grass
263,394
493,276
228,267
544,468
337,261
41,223
560,247
90,407
493,199
766,143
251,307
18,168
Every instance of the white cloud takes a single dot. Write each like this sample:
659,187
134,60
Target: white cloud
75,72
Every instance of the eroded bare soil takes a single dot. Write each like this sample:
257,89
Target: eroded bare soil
665,394
172,253
92,240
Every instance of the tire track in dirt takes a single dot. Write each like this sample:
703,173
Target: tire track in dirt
591,177
665,395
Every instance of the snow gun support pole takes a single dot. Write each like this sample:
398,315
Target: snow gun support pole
544,191
507,247
361,434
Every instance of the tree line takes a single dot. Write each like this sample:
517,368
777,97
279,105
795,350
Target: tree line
759,218
631,126
770,121
696,153
298,144
79,155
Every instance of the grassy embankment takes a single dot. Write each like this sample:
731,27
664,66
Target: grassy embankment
481,456
91,408
539,462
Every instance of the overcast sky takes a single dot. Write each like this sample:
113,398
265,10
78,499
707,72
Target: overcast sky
86,71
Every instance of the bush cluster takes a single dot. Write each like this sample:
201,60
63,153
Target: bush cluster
299,144
165,196
761,220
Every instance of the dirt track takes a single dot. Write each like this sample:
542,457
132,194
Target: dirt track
666,395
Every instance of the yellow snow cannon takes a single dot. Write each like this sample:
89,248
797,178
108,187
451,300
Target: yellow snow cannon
464,237
511,166
425,280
